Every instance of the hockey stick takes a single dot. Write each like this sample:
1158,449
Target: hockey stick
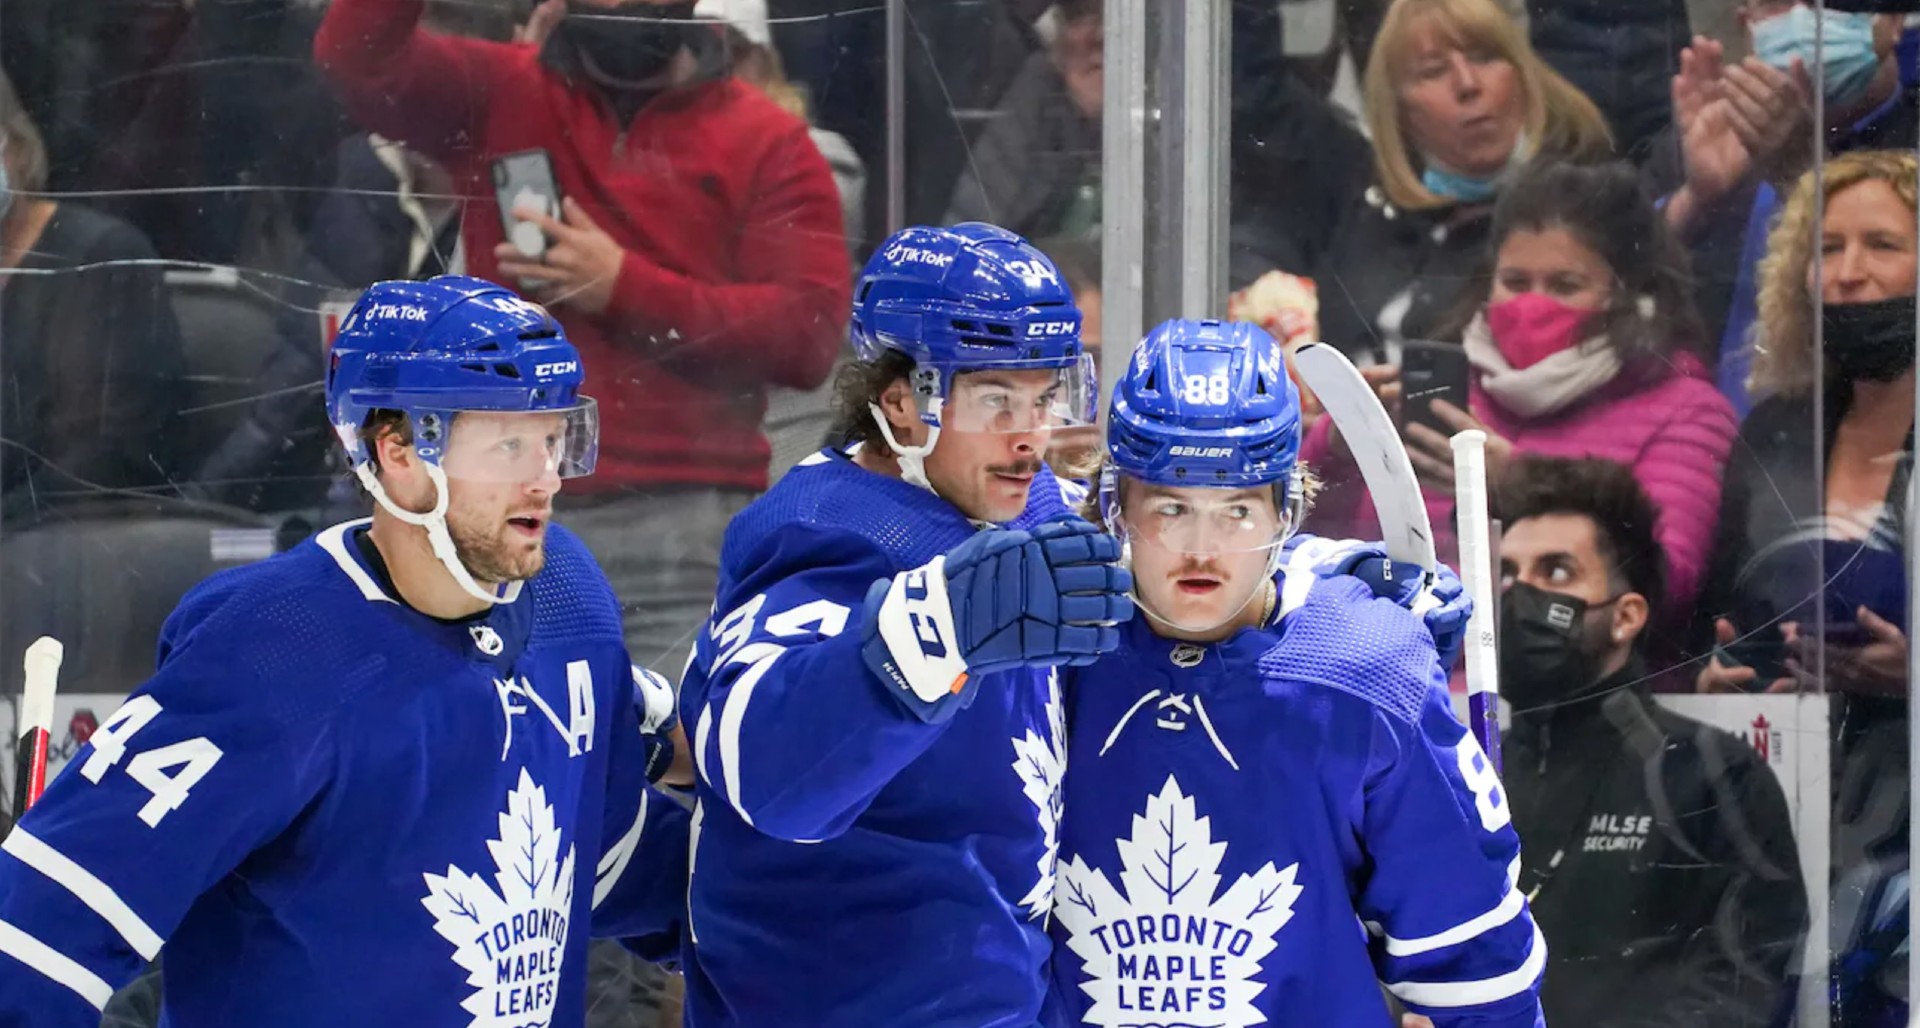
1382,458
1476,569
1375,442
36,723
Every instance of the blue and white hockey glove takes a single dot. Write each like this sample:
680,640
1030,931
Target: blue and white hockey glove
1003,599
653,698
1445,606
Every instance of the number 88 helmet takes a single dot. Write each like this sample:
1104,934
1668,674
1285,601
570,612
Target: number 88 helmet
1207,405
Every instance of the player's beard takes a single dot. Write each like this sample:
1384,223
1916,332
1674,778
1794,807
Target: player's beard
495,554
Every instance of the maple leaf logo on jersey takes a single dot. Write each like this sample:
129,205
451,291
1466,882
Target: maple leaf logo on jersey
511,941
1041,763
1168,952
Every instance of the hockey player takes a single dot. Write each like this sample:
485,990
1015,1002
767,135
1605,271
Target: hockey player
875,706
1269,761
395,775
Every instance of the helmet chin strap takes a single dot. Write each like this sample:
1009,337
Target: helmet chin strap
438,537
913,459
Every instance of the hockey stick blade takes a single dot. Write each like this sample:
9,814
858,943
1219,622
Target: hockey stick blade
42,667
1375,442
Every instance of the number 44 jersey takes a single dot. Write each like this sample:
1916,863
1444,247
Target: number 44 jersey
1260,832
334,810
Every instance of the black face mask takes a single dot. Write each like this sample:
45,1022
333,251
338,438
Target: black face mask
631,43
1872,341
1546,650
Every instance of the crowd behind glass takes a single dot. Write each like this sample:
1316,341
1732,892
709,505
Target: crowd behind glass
1614,215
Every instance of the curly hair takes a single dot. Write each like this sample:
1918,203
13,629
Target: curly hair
1605,493
856,389
1782,334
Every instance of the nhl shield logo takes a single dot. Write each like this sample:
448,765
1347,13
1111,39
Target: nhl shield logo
1187,655
486,640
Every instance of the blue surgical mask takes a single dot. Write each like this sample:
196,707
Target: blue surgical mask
1846,44
6,182
1455,186
1452,185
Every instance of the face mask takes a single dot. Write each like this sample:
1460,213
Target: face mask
1546,650
1873,341
1848,62
6,188
1454,186
631,43
1533,326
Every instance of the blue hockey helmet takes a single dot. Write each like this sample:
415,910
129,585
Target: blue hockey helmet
1205,403
970,298
452,345
1205,408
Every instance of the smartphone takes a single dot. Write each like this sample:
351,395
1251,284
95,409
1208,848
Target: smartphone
1431,371
520,181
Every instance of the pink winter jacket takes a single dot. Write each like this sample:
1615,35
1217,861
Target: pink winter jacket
1675,434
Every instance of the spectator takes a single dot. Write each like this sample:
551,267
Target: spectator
1035,170
1455,99
699,261
1807,587
1622,53
1866,78
749,40
1582,349
92,362
1660,857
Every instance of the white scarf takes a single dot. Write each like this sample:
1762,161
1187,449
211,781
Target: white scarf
1554,384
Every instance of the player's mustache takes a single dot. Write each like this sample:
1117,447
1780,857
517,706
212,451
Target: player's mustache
1024,467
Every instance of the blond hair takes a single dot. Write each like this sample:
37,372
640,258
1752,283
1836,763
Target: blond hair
1782,337
1560,120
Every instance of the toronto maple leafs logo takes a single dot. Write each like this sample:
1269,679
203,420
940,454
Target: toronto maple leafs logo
511,942
1041,763
1168,951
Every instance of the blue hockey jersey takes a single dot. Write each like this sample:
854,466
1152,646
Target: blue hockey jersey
334,810
854,865
1261,831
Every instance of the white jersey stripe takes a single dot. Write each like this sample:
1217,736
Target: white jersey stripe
1474,993
734,712
96,894
55,965
614,864
1508,909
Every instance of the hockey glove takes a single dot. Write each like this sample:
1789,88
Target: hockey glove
1444,606
654,700
1002,600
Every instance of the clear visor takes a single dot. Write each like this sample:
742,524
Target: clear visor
1014,399
1199,556
1200,521
523,446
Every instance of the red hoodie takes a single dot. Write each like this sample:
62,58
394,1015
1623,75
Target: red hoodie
735,277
